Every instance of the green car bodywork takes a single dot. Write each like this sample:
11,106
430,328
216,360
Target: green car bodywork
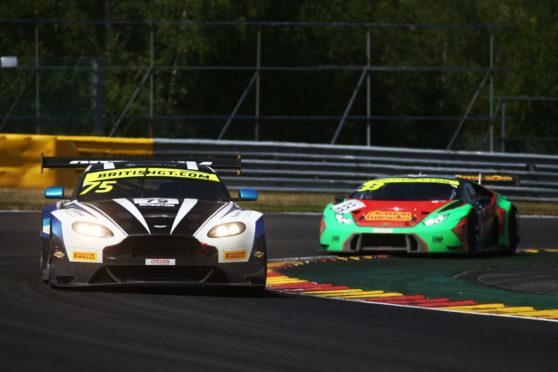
436,233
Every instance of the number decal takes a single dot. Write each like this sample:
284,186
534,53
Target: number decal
89,186
102,187
105,186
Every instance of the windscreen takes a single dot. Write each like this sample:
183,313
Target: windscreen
147,182
407,189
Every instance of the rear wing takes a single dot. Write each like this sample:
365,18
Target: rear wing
483,179
217,163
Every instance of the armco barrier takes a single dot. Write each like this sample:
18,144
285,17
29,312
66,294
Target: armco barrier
278,166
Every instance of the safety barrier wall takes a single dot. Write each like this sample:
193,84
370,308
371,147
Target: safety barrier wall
20,156
278,166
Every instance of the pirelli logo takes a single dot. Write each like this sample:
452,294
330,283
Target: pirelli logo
235,255
388,216
84,256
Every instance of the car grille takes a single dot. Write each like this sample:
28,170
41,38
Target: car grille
138,274
384,242
140,247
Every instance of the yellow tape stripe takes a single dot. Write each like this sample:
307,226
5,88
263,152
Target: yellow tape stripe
289,281
273,280
540,313
508,310
380,295
477,307
335,292
364,294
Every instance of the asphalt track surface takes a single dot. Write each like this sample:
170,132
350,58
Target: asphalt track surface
185,330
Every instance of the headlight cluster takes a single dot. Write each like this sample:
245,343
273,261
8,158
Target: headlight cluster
92,229
227,229
435,220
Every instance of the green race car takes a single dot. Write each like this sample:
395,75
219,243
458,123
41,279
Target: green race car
420,214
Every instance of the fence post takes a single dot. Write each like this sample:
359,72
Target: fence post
37,83
349,106
258,65
503,129
151,87
491,92
368,93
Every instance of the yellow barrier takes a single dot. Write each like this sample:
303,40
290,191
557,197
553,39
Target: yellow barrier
20,156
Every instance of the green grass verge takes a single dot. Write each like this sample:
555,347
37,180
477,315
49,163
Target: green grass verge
32,199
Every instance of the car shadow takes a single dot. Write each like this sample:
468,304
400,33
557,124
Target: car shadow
176,290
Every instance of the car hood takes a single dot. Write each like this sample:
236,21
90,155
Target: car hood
395,213
156,216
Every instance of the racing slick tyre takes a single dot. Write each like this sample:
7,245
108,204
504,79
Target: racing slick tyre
511,248
472,235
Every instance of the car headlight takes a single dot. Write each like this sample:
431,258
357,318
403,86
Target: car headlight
341,219
227,229
435,220
92,229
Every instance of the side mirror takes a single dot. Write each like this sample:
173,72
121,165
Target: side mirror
339,199
247,195
55,192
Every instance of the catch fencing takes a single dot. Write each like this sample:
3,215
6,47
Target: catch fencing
296,167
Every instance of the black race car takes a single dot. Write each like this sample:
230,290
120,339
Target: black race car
138,222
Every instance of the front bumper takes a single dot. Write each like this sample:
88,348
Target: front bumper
194,264
418,239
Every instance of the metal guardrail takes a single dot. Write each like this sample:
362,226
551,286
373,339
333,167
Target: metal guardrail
298,167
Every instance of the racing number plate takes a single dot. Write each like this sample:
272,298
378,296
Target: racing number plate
160,262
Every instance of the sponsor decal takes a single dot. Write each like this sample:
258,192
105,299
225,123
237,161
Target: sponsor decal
156,202
102,181
84,256
59,254
160,261
348,206
87,162
373,185
388,216
437,239
490,178
235,255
